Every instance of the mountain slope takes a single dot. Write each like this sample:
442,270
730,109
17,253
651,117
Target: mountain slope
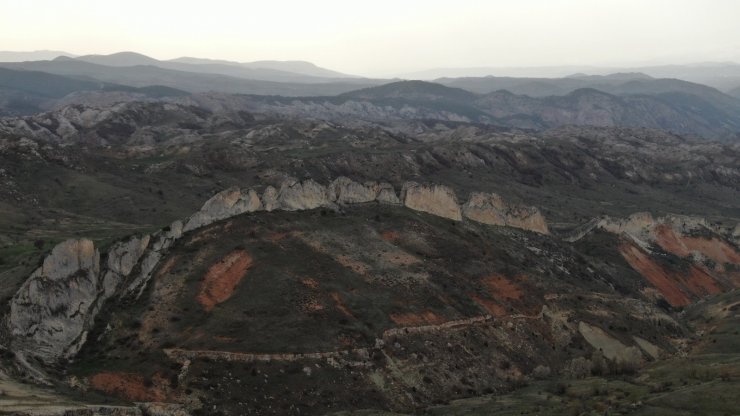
146,75
29,92
296,67
711,115
276,71
368,299
735,92
9,56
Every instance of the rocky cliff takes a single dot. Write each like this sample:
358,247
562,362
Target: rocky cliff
55,308
492,209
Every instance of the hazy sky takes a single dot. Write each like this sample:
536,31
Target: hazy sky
383,37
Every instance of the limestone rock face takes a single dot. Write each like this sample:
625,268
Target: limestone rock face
637,224
296,195
608,345
225,204
433,199
269,199
160,242
492,209
122,258
49,314
344,190
386,194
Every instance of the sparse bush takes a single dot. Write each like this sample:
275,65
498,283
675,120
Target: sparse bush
541,372
578,368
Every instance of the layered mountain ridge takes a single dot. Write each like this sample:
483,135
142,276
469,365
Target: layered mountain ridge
143,269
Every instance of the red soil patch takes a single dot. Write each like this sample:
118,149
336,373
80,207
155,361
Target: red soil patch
411,319
390,235
131,387
313,306
502,288
674,286
352,264
492,307
222,278
167,266
700,283
713,248
340,305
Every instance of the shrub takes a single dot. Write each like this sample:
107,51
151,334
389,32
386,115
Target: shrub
541,372
578,368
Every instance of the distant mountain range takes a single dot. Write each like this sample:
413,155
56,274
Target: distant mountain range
635,99
140,71
672,105
724,76
45,55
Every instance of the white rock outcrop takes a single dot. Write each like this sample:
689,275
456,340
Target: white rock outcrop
387,195
437,200
345,191
300,195
490,208
49,315
225,204
160,242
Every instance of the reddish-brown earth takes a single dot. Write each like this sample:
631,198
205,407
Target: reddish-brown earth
131,386
675,286
502,288
222,279
310,282
390,235
492,307
340,305
683,246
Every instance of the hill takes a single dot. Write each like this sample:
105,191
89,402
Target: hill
21,56
415,264
686,108
189,80
28,92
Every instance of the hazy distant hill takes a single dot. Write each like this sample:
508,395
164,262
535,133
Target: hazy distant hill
735,92
708,114
28,92
146,75
618,83
296,67
10,56
721,75
269,71
412,90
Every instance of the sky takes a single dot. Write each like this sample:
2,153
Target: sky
385,37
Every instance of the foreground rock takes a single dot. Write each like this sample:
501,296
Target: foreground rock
50,314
